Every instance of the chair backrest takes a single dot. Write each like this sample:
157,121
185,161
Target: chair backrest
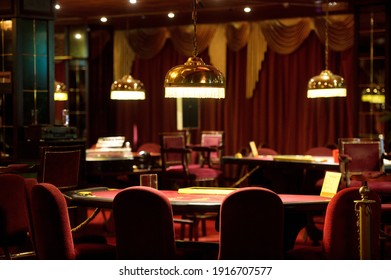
173,145
51,227
251,225
267,151
62,166
14,221
213,138
144,225
149,147
319,151
340,234
365,154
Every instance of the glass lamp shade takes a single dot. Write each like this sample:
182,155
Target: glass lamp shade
127,88
326,85
60,91
194,79
374,94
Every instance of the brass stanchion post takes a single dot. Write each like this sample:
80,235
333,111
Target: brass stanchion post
363,210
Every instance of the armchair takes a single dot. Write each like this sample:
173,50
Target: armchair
176,169
360,160
211,148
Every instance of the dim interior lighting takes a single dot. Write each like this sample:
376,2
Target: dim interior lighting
127,88
194,79
60,91
247,9
326,84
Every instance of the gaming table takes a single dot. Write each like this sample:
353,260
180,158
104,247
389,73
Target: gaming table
283,173
183,201
190,200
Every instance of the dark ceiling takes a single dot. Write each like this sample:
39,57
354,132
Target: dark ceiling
152,13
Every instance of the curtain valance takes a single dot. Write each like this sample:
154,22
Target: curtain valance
283,36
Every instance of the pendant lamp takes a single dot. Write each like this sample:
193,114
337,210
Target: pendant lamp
194,79
374,93
326,84
60,91
127,88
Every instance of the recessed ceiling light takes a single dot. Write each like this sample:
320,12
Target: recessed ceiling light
57,6
103,19
78,36
132,1
171,15
247,9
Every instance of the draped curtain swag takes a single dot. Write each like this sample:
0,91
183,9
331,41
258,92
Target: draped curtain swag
282,36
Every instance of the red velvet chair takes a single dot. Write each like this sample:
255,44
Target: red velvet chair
51,229
211,148
176,169
341,233
313,182
361,160
144,226
14,221
251,225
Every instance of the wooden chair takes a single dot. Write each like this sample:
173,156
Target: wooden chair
176,169
363,160
62,166
211,148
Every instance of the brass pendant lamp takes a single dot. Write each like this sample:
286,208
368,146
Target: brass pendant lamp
326,84
60,91
374,93
127,88
194,79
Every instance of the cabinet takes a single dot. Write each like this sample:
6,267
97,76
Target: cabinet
71,68
26,82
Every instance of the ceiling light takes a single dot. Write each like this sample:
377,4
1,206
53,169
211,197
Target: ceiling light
127,88
326,84
57,6
247,9
194,79
103,19
171,15
132,1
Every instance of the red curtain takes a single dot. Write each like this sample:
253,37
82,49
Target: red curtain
278,115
